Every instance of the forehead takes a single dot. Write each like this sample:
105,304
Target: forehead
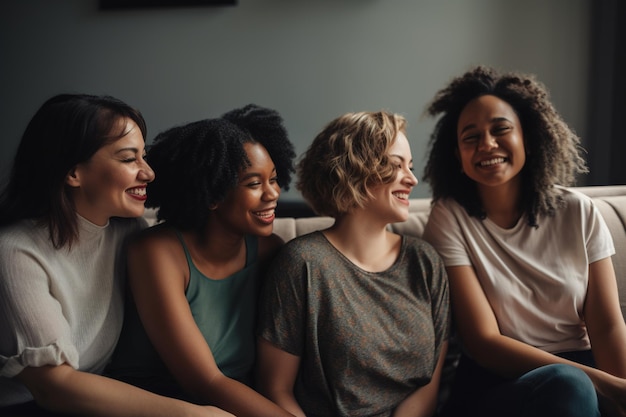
257,154
400,145
485,109
127,134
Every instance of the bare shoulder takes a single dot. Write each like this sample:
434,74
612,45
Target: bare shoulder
155,242
157,256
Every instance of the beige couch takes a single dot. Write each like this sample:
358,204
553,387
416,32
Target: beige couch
611,200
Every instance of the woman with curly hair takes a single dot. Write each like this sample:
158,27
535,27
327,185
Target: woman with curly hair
354,319
532,283
194,277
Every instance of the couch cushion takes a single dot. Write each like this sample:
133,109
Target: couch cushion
613,210
414,226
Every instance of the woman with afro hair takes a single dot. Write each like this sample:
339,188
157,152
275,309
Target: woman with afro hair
194,277
532,283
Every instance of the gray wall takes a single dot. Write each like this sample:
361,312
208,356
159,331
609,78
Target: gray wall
312,60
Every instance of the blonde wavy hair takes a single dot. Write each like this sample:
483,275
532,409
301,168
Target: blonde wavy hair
345,159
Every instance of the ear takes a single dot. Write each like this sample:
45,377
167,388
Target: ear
72,178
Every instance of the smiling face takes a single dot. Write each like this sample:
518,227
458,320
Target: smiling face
491,142
390,201
112,183
249,207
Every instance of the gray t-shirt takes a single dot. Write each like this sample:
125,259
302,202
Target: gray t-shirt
366,340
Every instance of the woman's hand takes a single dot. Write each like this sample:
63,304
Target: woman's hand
611,394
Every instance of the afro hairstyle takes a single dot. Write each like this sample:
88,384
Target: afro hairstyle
197,164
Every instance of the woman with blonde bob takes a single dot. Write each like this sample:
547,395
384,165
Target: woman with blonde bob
354,318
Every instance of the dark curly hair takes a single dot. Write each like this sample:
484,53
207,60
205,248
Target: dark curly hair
553,149
197,164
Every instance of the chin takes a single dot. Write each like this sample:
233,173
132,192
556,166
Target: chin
400,218
265,232
132,213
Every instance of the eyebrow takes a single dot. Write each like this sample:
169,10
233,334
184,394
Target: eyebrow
130,148
494,120
401,157
253,174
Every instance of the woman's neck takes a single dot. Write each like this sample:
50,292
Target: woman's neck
364,242
216,252
502,204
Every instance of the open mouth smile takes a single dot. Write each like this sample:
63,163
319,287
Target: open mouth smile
138,193
266,216
401,196
491,162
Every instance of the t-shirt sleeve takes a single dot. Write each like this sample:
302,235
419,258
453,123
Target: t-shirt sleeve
440,297
437,281
283,302
444,233
33,330
597,235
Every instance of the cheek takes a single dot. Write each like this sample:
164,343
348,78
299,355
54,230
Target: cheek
119,178
522,158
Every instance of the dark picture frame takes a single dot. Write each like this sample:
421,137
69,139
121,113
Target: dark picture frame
139,4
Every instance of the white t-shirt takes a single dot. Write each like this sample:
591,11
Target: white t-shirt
58,305
534,278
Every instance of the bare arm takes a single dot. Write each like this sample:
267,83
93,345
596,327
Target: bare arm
479,331
158,285
276,376
65,390
481,337
604,319
423,402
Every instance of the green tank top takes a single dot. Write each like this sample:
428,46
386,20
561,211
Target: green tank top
225,312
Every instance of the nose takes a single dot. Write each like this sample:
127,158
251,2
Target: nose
145,172
487,142
271,192
410,179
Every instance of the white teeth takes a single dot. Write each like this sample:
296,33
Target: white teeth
491,162
268,213
137,191
401,196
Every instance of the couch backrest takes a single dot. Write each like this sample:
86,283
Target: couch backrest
610,200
